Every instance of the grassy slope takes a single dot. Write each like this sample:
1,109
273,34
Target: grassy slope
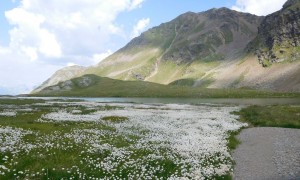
105,87
169,71
140,61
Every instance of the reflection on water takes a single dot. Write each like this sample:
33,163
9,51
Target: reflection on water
237,101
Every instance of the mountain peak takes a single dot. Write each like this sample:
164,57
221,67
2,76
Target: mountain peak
224,11
218,10
190,29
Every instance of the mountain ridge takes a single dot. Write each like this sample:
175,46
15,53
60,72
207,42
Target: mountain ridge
61,75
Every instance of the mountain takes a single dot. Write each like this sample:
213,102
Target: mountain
218,48
60,76
184,48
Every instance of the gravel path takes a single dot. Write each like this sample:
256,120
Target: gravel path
268,154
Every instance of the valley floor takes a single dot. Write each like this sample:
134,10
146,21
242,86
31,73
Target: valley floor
64,138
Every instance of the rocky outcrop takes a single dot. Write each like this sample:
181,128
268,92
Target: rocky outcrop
206,36
61,75
278,36
80,82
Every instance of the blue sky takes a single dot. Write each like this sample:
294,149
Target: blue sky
160,11
4,36
38,37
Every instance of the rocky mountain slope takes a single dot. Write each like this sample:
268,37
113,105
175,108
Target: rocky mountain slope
184,48
278,36
60,76
219,48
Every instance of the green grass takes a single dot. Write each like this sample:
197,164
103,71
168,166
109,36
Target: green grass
286,116
233,142
183,82
168,71
115,118
12,101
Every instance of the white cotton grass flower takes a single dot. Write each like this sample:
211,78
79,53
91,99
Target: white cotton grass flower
8,113
3,167
76,111
65,116
11,139
25,110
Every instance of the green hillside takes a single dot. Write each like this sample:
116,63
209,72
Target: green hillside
95,86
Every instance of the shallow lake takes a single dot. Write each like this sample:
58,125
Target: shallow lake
237,101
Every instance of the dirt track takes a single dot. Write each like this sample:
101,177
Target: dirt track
268,154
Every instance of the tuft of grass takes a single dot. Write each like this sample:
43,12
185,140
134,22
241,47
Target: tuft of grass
266,63
232,140
183,82
286,116
115,118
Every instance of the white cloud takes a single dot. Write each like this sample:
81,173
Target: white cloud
29,36
258,7
47,35
140,27
4,50
31,52
48,44
71,64
99,57
59,28
19,74
136,4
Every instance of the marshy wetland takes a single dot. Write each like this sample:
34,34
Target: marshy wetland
75,139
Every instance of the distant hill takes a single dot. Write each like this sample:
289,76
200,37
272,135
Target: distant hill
95,86
60,76
218,48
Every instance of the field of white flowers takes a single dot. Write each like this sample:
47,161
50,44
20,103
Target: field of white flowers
89,140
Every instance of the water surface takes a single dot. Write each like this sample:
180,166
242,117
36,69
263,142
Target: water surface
235,101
